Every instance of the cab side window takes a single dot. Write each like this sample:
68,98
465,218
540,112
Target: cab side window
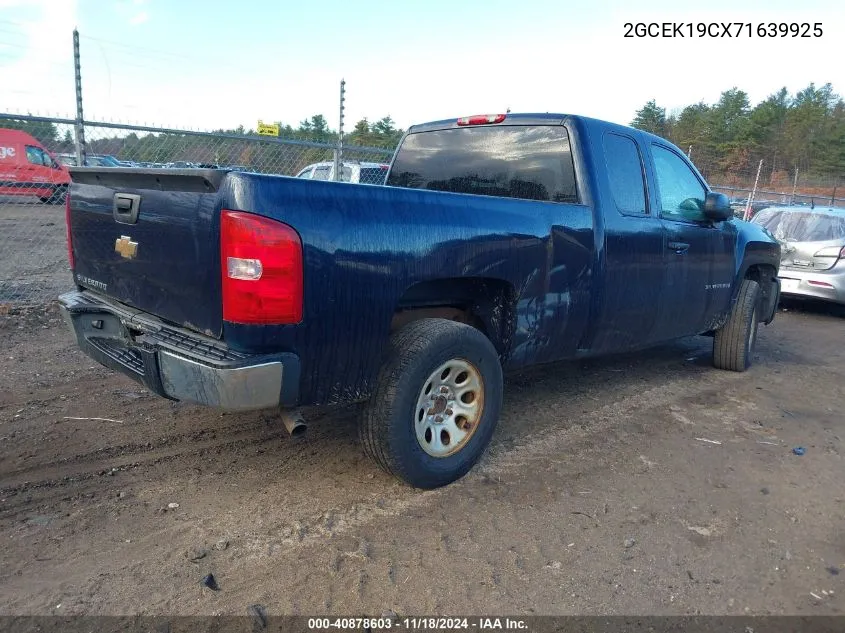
681,192
625,170
35,156
38,156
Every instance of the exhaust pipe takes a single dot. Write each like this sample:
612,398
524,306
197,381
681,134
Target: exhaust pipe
294,423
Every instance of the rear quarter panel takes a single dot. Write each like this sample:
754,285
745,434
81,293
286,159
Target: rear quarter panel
364,246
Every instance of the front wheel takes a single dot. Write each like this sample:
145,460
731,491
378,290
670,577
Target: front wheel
733,344
436,403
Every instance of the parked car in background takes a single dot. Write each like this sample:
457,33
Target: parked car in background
28,169
812,250
92,160
101,160
365,173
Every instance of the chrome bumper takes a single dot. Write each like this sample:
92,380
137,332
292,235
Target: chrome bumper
175,362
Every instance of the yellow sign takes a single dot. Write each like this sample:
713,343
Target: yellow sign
268,129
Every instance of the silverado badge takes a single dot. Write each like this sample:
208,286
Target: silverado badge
126,247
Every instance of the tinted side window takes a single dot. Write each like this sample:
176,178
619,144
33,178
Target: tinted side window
625,171
512,161
35,156
681,192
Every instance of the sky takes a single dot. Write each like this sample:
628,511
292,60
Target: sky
213,64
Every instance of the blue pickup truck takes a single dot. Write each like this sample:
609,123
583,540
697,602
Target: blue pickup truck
498,242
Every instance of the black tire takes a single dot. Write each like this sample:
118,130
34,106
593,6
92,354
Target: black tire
388,425
733,344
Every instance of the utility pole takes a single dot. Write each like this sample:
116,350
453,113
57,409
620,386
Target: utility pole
79,126
794,186
338,155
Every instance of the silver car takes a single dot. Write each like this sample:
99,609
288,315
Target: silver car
812,250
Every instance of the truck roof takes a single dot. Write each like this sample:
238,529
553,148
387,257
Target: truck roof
10,135
545,118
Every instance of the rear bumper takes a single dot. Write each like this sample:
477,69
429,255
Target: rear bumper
828,285
177,363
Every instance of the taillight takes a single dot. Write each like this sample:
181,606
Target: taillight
69,234
481,119
831,251
261,261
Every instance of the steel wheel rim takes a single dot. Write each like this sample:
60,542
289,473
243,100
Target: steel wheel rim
449,408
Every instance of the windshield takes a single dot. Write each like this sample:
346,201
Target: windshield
802,226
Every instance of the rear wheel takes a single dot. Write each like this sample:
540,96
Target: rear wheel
436,404
734,342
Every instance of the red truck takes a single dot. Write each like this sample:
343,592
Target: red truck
28,169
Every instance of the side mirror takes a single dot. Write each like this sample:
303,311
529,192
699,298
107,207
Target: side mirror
717,207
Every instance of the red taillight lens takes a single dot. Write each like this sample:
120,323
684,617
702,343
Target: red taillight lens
69,234
261,262
481,119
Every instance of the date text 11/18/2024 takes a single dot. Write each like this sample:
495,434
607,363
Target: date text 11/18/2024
419,623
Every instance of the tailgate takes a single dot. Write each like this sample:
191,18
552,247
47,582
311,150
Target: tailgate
149,238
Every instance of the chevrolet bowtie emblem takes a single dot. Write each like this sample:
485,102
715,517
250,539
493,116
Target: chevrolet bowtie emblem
126,247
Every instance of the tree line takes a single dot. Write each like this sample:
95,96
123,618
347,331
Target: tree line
804,131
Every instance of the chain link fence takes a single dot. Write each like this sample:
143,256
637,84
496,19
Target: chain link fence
752,187
35,153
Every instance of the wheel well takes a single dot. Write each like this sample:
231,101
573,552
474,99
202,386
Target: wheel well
486,304
761,273
765,275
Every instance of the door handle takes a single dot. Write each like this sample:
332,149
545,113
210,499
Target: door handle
679,247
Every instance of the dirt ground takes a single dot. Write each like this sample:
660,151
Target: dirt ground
639,484
33,251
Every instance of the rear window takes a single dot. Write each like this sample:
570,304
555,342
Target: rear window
802,226
321,173
528,162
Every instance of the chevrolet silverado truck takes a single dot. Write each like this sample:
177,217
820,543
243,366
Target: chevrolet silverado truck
498,242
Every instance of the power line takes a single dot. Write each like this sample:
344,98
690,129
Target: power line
136,50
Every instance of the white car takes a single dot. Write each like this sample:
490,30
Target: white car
366,173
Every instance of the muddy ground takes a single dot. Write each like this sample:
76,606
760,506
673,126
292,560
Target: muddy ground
639,484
